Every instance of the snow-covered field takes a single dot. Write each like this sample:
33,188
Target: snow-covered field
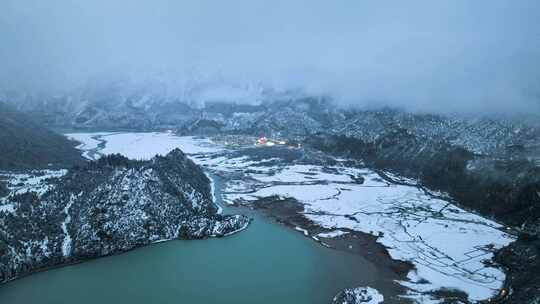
140,145
448,246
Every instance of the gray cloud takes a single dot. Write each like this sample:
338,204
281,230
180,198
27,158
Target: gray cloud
423,55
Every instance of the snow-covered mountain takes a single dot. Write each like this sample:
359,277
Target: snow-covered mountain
217,106
50,218
149,103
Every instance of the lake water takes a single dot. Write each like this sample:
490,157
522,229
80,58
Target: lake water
266,263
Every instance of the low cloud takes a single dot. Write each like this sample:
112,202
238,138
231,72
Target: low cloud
421,55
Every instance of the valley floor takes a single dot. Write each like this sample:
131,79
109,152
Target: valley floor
450,249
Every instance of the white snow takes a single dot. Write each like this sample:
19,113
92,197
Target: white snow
332,234
44,246
88,141
147,145
304,231
66,244
7,208
213,192
143,145
32,181
365,295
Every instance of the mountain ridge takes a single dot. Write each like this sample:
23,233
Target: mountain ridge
105,207
27,144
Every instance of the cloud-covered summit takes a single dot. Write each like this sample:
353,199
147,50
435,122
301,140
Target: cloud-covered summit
423,55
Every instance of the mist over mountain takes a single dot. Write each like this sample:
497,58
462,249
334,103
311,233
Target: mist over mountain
463,56
27,144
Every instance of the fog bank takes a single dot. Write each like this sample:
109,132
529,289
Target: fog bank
454,55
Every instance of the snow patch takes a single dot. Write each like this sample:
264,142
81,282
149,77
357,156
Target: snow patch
332,234
304,231
31,181
66,244
359,295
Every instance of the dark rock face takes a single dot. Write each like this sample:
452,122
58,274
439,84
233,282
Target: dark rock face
3,189
521,260
107,207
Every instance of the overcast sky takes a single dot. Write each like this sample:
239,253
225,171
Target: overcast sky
452,55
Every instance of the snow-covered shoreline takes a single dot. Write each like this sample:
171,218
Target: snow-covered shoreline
446,244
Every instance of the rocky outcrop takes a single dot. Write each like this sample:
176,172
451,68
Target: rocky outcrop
359,295
107,207
521,261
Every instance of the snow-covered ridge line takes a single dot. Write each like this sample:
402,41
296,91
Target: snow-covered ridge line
119,207
143,146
